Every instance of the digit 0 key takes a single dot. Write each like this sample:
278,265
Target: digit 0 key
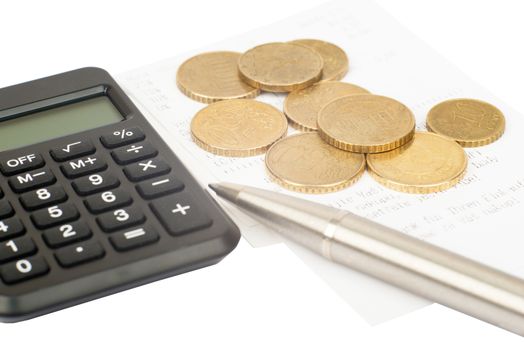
95,202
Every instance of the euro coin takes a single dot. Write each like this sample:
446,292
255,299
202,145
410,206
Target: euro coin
305,163
213,76
238,128
366,123
471,123
302,106
280,67
429,163
336,63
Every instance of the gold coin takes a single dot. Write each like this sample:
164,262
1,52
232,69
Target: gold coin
366,123
213,76
429,163
238,128
336,63
305,163
471,123
302,106
280,67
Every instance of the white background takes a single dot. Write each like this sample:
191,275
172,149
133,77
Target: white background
255,298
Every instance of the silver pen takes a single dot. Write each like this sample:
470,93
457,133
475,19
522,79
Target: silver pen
392,256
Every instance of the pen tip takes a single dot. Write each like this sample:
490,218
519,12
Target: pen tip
214,186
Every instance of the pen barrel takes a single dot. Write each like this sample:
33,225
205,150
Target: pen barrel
427,270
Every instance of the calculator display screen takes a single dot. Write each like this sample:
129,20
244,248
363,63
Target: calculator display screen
57,122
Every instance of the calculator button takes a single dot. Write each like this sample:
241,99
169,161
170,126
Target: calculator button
95,183
146,169
122,137
134,153
72,150
16,248
22,163
29,181
24,269
6,209
159,186
179,214
67,234
83,166
79,254
132,239
107,200
54,215
43,197
10,228
120,219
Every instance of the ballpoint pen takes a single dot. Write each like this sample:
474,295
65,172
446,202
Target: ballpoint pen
392,256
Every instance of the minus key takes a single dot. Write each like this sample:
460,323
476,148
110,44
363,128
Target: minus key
159,186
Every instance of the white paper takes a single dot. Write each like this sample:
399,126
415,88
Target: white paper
478,218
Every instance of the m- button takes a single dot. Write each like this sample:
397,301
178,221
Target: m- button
179,214
21,163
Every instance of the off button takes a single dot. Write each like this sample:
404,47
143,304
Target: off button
20,164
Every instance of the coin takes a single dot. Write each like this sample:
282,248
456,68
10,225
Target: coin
238,128
471,123
213,76
305,163
302,106
429,163
336,63
280,67
366,123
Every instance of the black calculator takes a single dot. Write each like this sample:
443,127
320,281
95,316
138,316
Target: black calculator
92,200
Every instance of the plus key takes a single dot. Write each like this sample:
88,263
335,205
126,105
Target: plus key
179,214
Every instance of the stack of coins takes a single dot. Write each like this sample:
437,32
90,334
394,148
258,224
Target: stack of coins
343,127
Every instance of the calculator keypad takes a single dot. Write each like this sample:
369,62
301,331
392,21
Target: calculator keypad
62,227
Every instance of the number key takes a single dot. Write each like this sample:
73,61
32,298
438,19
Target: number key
67,234
95,183
16,248
120,219
54,215
43,197
11,228
108,200
24,269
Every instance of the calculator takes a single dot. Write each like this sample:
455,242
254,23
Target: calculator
92,200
